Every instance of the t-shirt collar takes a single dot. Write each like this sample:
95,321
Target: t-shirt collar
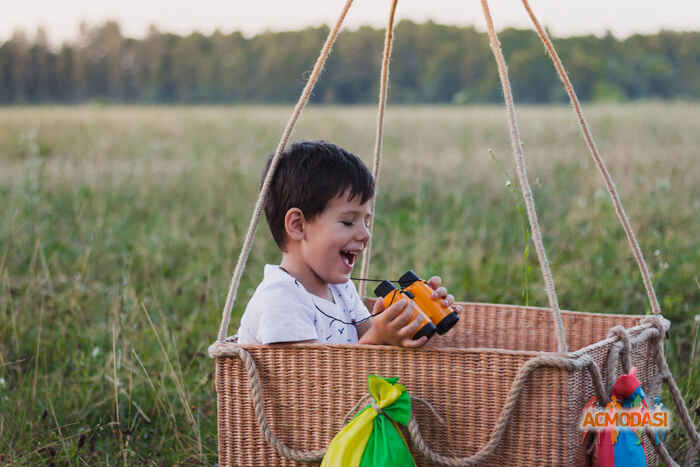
275,272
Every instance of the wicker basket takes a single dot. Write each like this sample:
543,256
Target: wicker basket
465,375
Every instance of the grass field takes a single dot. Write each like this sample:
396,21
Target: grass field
120,227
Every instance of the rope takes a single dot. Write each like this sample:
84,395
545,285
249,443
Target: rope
619,210
357,406
672,386
384,84
524,184
624,346
252,227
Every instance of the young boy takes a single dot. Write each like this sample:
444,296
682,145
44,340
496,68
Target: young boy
318,210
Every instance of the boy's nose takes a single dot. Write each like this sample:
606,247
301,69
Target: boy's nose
363,233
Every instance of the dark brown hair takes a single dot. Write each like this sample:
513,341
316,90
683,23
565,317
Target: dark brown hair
309,174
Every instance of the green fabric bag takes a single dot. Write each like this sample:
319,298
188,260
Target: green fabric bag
373,438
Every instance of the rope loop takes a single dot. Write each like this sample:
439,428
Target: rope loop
657,321
622,346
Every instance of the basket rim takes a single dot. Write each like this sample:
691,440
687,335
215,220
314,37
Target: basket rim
339,347
509,306
634,331
227,348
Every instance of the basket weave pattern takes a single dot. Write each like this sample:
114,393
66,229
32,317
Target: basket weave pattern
465,375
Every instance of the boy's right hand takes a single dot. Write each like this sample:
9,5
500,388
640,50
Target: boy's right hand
394,326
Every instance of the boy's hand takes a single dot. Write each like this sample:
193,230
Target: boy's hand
441,293
393,326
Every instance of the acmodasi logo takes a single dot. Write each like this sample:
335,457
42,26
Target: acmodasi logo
615,416
624,418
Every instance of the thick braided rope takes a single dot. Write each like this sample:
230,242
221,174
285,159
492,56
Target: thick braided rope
661,449
252,227
619,210
692,456
383,86
678,401
622,346
524,184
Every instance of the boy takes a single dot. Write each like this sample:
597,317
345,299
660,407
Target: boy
318,210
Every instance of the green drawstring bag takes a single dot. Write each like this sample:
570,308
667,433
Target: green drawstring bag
372,438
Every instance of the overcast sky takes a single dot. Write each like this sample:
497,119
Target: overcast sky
563,17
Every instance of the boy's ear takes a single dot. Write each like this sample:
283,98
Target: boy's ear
294,222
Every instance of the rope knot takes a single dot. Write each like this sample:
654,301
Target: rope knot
657,322
621,333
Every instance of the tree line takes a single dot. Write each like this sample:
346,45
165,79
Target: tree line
431,63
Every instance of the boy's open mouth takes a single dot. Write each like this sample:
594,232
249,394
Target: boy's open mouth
349,257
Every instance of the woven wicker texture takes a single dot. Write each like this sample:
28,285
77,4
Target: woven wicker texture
309,389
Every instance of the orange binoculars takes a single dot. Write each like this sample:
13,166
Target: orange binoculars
434,315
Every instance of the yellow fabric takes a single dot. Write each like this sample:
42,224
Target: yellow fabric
383,391
348,445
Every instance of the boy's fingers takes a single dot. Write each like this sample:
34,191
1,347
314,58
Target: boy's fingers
402,319
414,343
440,292
378,307
434,282
410,328
449,300
395,309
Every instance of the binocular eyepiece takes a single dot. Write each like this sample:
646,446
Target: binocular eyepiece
434,316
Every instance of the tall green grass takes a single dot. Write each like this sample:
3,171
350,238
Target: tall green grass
120,228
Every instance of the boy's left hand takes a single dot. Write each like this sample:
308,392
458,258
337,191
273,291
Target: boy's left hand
440,292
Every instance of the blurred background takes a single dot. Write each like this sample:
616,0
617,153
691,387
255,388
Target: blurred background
132,138
167,52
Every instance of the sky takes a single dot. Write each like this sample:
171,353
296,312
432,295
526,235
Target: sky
562,17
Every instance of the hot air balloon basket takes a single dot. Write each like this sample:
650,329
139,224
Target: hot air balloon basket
500,392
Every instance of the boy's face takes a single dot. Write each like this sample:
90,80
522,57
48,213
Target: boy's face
333,240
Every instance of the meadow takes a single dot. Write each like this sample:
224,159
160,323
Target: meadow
120,227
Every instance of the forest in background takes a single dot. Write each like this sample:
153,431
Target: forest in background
432,63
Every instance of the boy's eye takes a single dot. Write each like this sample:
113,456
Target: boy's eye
347,223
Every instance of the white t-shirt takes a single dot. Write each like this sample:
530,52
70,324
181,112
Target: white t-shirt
282,310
